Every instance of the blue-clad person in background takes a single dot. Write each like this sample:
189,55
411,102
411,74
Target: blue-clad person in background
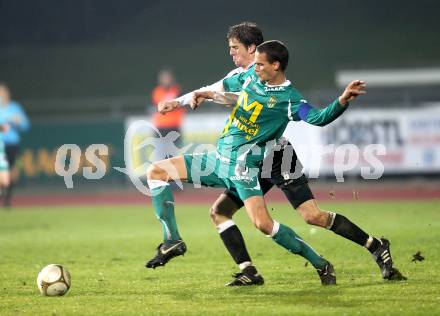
15,121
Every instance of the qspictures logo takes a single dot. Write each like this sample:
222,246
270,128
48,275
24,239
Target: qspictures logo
345,158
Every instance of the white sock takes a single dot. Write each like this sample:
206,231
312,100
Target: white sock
225,225
153,184
275,229
331,220
244,265
369,241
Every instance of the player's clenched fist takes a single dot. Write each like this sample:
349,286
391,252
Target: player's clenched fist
199,97
353,90
167,106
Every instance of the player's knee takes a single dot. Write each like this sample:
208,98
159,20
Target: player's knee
4,183
312,214
264,226
213,213
151,172
154,172
218,215
310,218
223,209
316,218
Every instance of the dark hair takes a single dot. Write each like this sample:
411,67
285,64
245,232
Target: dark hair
275,51
246,33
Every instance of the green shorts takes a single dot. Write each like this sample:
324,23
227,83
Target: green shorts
4,165
211,170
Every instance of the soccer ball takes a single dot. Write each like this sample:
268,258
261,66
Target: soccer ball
53,280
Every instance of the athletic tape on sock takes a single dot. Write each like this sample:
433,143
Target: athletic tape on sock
244,265
368,243
330,220
225,225
153,184
275,229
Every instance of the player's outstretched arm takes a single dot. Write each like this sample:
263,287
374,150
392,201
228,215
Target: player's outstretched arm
324,116
201,96
187,99
233,81
226,98
352,91
168,106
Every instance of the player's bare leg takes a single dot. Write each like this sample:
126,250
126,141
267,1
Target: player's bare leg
221,215
159,175
4,179
222,209
4,182
339,224
168,169
287,238
312,214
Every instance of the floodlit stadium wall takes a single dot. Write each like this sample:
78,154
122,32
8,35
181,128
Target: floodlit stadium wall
37,162
408,141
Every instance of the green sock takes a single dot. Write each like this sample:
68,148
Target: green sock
163,203
288,239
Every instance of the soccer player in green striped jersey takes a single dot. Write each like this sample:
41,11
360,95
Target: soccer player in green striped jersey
243,39
265,106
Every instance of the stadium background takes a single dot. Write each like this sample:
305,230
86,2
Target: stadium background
81,70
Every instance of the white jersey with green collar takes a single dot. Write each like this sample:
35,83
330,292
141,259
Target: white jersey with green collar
217,86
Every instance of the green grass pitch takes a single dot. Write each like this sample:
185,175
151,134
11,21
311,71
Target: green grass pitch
104,248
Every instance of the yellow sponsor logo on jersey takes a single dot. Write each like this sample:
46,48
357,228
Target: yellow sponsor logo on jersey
242,126
254,107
